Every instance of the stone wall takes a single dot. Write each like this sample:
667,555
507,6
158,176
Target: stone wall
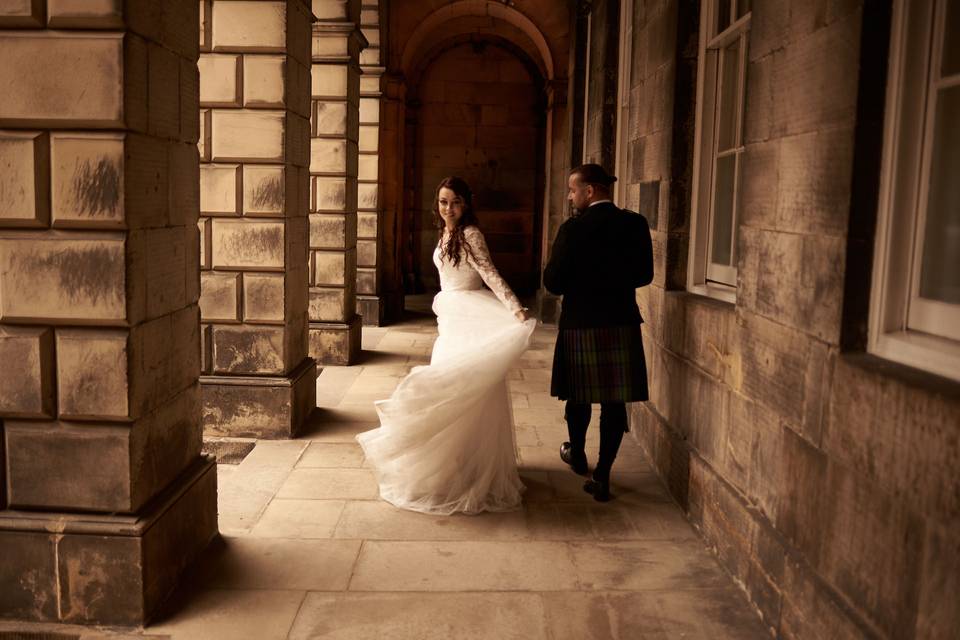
106,496
823,478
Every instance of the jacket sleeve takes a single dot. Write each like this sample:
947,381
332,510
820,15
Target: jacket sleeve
641,266
556,275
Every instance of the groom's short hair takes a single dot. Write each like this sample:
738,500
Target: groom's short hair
594,174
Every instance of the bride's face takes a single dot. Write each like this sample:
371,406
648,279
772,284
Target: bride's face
450,206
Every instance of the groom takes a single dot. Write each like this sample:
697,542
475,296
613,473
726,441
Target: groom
599,258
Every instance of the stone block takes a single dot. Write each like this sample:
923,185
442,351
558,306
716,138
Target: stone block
249,26
203,143
248,349
368,168
93,374
83,467
239,135
369,140
271,408
370,56
53,278
219,297
334,343
329,81
160,268
369,84
206,25
263,297
372,310
331,194
183,185
332,267
206,245
83,14
264,190
332,231
39,89
219,189
21,13
220,80
367,253
367,224
247,244
30,393
367,196
366,282
24,179
87,174
28,576
332,304
369,110
330,118
329,155
163,90
264,81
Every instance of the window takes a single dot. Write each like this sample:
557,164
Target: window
724,27
915,305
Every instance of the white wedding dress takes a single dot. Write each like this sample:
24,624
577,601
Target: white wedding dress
445,442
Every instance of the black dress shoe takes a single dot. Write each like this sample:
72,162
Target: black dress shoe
598,489
577,462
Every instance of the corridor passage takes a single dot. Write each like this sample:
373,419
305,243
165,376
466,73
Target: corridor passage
308,551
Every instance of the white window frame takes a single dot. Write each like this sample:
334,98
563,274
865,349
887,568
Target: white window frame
902,326
704,278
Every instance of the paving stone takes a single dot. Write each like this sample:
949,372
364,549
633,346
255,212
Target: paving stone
230,613
320,484
378,520
299,519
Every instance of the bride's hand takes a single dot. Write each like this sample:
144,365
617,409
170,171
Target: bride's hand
522,314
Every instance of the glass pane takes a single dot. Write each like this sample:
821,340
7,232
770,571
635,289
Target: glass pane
727,117
722,231
743,8
940,268
723,15
951,39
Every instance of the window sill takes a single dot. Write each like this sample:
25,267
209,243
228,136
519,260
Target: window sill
927,353
715,292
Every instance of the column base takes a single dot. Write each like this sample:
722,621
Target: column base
87,569
371,310
270,407
335,343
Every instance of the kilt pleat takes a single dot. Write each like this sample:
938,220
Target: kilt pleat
602,364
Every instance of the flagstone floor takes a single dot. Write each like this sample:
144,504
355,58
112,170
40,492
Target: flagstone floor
309,552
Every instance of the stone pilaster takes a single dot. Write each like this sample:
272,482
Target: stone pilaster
254,198
337,41
370,304
106,497
390,222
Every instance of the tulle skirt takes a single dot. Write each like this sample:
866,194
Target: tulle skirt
445,442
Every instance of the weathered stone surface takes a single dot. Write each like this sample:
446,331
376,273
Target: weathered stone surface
366,281
329,81
21,13
249,26
247,244
84,14
276,409
40,89
220,297
367,224
87,180
332,231
248,349
329,155
30,393
335,343
264,190
331,304
263,297
219,189
332,194
331,118
93,374
219,80
62,278
367,253
239,135
28,575
332,267
264,81
24,179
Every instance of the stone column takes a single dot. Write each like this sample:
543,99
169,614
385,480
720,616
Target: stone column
390,223
107,497
254,92
334,323
370,303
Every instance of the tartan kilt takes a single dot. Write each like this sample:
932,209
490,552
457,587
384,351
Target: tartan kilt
600,364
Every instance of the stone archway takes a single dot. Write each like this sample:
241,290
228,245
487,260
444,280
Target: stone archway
476,109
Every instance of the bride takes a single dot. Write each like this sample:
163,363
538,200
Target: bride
445,442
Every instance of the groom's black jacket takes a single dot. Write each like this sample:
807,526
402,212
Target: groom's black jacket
599,259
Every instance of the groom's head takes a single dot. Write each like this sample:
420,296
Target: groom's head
588,183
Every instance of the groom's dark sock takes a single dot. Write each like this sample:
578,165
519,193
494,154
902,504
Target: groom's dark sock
577,415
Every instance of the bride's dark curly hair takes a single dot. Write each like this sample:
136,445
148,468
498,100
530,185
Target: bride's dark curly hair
455,242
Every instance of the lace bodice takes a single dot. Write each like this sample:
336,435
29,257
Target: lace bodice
474,270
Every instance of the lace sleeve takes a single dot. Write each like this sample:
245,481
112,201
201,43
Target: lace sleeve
479,258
